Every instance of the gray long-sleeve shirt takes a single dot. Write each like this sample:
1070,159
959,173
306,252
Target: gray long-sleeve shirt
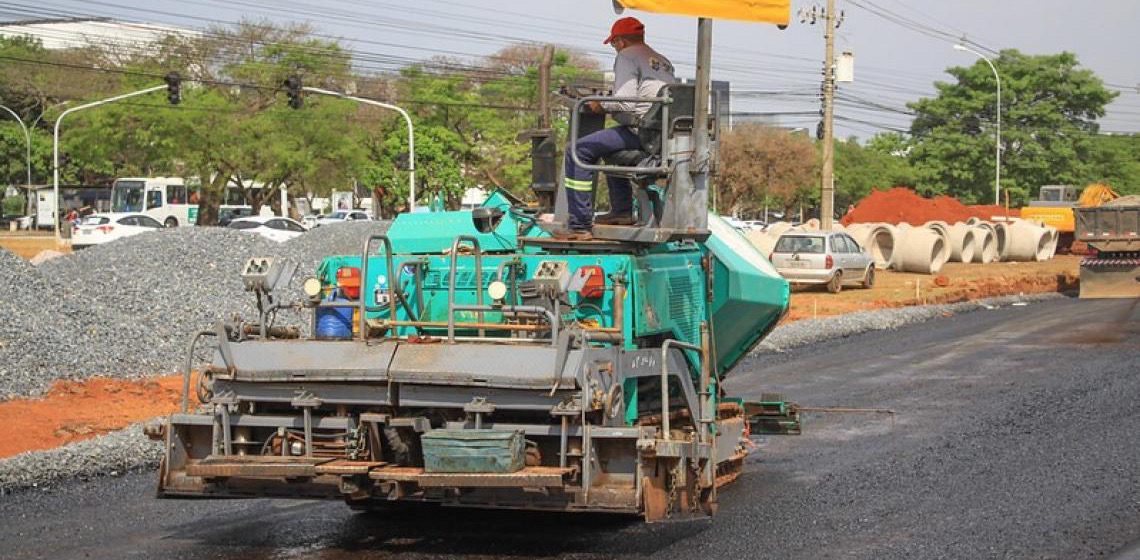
638,71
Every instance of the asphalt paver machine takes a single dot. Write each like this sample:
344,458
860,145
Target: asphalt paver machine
473,359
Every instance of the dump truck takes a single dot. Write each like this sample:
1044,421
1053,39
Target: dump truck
1055,205
474,359
1112,231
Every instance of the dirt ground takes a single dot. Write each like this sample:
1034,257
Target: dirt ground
73,411
955,282
28,244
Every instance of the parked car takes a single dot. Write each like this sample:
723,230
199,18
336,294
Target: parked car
97,229
309,221
227,215
343,216
832,259
270,227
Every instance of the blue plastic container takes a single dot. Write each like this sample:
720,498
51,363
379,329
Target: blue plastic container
335,322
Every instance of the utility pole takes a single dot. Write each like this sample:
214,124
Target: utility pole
827,173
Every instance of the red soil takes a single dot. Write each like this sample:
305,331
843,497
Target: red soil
899,205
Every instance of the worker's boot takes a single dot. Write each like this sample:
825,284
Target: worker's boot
611,219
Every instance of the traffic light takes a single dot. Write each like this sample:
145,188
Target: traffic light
293,89
173,88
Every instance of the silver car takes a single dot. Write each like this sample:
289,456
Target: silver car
829,258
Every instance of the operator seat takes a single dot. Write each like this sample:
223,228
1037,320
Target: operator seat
652,134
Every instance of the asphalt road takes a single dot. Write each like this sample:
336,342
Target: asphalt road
1017,436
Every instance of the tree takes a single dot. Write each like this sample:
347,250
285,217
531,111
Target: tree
1049,111
764,165
1115,161
859,169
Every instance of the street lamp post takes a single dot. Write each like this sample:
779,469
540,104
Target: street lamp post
411,136
55,143
997,149
28,143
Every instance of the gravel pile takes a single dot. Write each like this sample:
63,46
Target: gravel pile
812,331
126,309
113,454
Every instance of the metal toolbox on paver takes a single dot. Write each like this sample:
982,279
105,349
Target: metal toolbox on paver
473,451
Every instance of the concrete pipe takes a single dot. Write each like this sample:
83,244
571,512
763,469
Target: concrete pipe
764,242
878,239
1027,242
942,228
919,250
1001,237
985,243
961,242
1054,237
778,228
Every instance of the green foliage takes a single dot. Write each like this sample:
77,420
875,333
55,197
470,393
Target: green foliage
13,205
1049,111
1115,161
858,169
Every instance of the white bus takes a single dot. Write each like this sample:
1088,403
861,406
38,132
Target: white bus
166,199
172,201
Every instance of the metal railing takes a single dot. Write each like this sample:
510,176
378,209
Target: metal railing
670,343
572,148
363,305
451,270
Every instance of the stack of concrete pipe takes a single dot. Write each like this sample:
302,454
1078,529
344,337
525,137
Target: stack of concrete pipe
925,249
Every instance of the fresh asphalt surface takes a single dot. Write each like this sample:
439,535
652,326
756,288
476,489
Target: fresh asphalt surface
1017,436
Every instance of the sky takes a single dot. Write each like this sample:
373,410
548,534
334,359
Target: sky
900,46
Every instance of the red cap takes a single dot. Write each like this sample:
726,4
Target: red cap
625,26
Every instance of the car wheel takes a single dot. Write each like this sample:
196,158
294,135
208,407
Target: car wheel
170,223
869,278
836,283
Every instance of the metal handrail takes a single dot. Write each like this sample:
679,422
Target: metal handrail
573,144
364,280
665,378
419,264
451,269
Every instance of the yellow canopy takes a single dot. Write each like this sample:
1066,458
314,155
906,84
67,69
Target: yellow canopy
767,11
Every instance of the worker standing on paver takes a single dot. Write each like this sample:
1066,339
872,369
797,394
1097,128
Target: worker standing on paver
638,71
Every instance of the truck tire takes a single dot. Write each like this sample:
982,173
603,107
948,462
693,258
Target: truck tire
170,222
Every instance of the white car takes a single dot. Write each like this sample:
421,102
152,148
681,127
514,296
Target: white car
343,216
101,228
270,227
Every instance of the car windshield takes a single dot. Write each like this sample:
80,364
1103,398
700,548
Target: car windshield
244,224
127,196
337,216
94,221
799,244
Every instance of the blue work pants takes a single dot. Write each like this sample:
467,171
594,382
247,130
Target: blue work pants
591,149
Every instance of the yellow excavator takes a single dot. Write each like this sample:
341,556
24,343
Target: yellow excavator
1054,207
